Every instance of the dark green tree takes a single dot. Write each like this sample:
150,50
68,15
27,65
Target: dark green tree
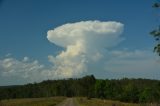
130,93
100,89
149,95
156,32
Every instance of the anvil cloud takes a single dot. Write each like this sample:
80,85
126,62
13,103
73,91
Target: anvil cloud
83,43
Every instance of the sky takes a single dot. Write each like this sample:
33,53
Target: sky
56,39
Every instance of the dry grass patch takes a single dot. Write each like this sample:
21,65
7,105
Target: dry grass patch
99,102
52,101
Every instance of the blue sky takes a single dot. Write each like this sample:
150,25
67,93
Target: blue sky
24,25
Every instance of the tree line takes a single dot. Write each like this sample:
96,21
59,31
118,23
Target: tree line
126,90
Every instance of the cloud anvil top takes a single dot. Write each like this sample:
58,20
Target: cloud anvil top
71,33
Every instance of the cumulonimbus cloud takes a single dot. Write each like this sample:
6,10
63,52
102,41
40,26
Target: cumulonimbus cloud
83,43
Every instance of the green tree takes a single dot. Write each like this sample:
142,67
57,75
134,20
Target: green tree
100,89
156,32
88,83
130,93
149,95
113,89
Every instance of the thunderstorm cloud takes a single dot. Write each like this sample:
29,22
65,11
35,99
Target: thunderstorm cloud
84,43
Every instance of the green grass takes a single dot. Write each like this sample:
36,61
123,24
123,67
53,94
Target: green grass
52,101
99,102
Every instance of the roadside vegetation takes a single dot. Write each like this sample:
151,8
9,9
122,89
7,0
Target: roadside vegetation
32,101
103,102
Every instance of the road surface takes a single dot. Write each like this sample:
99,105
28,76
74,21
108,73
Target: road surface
68,102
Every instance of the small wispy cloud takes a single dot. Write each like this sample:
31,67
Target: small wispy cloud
135,63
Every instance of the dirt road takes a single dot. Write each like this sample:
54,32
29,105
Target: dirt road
68,102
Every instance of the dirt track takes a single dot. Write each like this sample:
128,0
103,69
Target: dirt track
68,102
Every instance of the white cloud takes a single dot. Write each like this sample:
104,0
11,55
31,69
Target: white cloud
84,43
136,63
25,59
24,69
87,32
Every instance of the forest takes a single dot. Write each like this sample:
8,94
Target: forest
125,90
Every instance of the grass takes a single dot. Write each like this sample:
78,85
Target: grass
52,101
99,102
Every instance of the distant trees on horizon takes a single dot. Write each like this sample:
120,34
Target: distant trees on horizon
126,90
